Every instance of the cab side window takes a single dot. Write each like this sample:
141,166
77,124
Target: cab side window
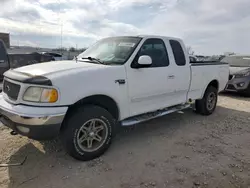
179,55
156,49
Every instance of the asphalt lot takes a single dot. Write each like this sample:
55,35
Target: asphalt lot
180,150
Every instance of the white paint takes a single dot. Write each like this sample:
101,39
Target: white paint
145,90
145,60
28,111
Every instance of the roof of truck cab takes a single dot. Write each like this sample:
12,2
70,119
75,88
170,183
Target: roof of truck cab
149,36
158,36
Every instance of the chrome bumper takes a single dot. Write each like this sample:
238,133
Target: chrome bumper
32,115
33,120
39,123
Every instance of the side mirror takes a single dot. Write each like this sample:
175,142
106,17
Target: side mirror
145,60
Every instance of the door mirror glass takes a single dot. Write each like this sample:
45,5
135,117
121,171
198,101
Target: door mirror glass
145,60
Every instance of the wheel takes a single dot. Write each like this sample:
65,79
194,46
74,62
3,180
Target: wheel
207,104
88,132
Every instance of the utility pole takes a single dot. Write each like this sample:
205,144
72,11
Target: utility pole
61,23
61,37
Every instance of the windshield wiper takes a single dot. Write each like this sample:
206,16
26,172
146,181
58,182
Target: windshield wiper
94,59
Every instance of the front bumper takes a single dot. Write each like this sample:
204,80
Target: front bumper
39,123
238,84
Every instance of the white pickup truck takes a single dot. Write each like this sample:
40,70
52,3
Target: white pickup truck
117,81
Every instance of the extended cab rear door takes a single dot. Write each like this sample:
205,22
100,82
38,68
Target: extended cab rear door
180,65
151,88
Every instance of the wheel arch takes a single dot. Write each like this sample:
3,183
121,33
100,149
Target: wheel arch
103,101
214,83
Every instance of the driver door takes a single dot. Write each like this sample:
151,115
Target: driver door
150,87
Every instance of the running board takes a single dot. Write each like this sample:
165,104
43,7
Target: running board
152,115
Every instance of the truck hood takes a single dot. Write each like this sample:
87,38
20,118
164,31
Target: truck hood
46,69
235,70
57,73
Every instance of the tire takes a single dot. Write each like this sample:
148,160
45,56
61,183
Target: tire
78,128
204,106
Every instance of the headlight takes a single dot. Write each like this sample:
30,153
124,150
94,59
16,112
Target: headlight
40,94
245,74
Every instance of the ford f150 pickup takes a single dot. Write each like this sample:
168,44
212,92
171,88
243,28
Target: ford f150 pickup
117,81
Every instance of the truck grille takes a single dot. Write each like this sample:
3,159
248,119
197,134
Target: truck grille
231,87
11,89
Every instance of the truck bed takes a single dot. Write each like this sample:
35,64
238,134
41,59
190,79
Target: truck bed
201,63
203,72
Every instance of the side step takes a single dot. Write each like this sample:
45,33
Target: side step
152,115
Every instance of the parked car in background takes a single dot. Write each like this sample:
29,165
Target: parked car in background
192,58
239,78
15,59
55,56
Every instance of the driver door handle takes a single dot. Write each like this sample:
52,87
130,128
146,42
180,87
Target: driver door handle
171,77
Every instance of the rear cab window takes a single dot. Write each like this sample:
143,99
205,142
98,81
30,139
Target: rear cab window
178,52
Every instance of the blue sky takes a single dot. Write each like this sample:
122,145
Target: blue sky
209,26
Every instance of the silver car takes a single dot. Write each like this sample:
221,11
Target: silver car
239,78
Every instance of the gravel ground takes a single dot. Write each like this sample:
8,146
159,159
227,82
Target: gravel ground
180,150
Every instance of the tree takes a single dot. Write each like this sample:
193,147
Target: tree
82,49
60,49
72,49
229,53
190,50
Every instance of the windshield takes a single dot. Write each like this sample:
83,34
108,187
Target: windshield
114,50
237,61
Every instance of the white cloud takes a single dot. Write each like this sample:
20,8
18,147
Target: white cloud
49,22
24,43
210,26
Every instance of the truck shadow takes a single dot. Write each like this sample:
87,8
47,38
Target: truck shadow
51,166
